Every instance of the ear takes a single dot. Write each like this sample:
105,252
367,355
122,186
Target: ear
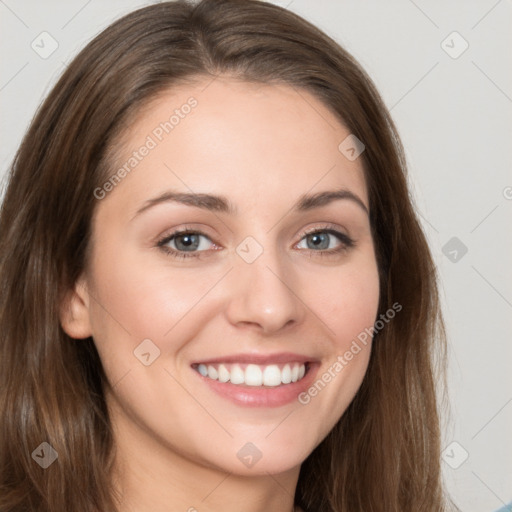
74,311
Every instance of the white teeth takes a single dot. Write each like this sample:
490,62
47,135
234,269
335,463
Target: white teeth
272,375
223,373
212,372
254,375
286,374
237,375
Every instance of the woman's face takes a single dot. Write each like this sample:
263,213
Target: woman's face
275,276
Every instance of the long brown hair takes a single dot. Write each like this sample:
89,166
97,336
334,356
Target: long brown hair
384,453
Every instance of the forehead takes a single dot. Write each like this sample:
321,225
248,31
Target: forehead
249,141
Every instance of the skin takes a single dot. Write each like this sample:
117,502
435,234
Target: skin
262,147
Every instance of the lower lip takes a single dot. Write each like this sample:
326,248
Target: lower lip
249,396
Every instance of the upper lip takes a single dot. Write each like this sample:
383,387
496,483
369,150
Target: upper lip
262,359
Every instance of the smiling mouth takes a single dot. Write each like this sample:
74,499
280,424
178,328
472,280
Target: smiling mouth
253,375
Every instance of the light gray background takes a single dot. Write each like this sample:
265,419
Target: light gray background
454,116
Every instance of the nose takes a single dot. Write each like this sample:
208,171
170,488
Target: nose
264,294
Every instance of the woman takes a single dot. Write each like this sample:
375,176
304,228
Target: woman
215,290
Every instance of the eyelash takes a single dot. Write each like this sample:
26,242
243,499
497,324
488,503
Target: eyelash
346,242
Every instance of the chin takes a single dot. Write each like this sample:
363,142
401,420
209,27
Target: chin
261,456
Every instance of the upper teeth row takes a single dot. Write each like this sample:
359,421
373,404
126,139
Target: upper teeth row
254,375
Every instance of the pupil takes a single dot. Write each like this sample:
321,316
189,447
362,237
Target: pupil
187,241
317,240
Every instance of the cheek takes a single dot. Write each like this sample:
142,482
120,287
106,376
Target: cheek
135,301
346,299
146,300
347,302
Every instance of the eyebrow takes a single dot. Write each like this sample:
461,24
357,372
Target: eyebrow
219,203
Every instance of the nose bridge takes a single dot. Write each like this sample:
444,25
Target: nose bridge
263,289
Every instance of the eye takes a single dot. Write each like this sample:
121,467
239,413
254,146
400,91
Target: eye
326,241
181,242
